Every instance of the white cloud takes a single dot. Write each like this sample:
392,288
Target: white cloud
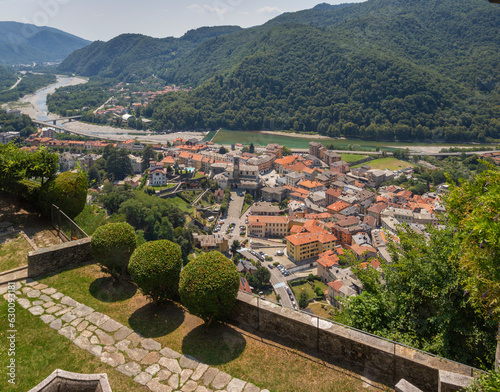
203,9
270,10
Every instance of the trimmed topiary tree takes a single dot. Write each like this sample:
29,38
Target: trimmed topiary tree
112,245
68,191
155,267
209,285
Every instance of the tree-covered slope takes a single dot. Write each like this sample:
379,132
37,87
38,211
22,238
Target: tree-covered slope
382,69
25,43
134,55
7,78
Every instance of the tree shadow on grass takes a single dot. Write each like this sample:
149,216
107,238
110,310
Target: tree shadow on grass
153,321
106,289
214,345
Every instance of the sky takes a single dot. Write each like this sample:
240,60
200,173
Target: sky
105,19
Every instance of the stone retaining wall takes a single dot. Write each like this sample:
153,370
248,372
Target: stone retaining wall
58,257
377,359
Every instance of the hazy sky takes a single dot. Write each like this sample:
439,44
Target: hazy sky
105,19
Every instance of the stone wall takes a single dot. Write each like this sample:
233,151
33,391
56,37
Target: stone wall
58,257
375,358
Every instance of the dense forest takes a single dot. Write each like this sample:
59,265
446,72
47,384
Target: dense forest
13,123
7,78
388,70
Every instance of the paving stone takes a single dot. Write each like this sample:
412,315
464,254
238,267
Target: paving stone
155,386
56,324
68,318
209,375
153,369
82,342
33,294
31,283
185,374
135,339
251,388
137,354
69,332
173,381
200,370
110,349
104,337
265,390
81,310
152,357
188,362
24,303
92,328
82,325
190,386
4,292
95,350
169,353
53,309
57,296
64,311
45,298
143,378
202,388
123,345
113,359
76,322
164,374
48,304
94,340
49,291
122,333
69,301
47,318
97,318
130,369
111,326
171,364
221,380
26,290
150,344
86,334
40,286
235,385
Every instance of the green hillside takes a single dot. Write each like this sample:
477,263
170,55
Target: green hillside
25,43
7,78
380,70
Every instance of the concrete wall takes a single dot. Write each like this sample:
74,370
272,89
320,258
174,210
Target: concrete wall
377,359
58,257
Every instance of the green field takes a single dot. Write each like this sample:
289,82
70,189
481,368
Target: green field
258,138
388,163
353,157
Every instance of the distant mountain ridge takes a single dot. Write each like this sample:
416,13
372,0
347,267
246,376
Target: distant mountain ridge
383,69
22,43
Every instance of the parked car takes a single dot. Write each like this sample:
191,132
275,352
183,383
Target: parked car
270,266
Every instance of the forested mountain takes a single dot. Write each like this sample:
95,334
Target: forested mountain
25,43
7,78
384,69
134,55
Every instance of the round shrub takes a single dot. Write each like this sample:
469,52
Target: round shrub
209,285
112,245
155,267
68,191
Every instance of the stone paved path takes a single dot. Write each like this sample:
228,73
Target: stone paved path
145,360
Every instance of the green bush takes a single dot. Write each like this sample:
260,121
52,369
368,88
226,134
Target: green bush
209,285
486,383
155,267
68,191
112,245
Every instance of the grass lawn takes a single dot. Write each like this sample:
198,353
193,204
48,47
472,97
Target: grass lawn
181,204
191,195
165,187
13,252
322,309
309,289
198,175
352,157
251,358
40,350
388,163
